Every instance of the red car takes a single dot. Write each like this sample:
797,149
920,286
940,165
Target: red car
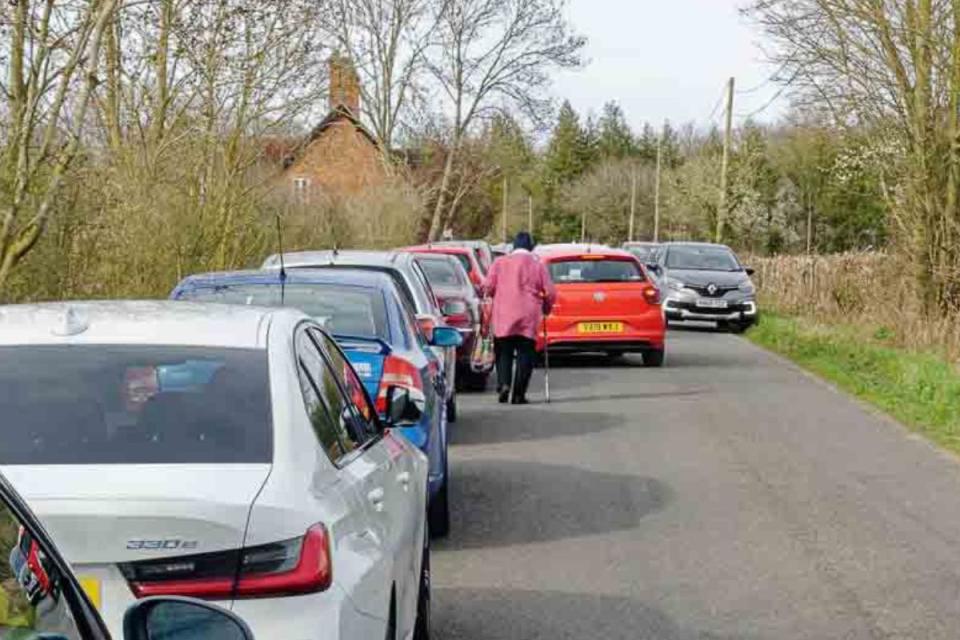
463,309
606,303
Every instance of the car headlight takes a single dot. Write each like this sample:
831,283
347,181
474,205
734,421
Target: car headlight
676,285
747,287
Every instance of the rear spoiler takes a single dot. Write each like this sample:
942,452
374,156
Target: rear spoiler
364,344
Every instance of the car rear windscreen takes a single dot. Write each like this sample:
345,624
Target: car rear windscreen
106,404
353,311
595,270
441,273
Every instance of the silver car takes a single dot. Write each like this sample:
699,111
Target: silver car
705,282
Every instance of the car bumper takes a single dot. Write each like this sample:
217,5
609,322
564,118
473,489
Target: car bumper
640,334
330,615
679,309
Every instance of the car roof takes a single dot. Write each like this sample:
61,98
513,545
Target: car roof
148,322
438,248
640,243
350,277
335,257
556,251
691,243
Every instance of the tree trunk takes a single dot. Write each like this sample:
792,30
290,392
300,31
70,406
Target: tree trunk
436,223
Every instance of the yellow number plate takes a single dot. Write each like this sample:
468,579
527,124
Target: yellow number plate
91,586
600,327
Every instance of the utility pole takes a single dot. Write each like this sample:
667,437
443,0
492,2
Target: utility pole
503,219
583,226
727,134
633,202
656,191
530,213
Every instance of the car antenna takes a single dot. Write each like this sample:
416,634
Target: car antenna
283,269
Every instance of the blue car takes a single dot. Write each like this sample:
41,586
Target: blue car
381,339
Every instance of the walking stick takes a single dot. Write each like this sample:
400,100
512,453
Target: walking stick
546,361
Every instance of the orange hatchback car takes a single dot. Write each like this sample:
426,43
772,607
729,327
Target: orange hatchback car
606,303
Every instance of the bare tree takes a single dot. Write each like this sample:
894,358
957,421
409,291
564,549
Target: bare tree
492,55
893,66
386,40
53,60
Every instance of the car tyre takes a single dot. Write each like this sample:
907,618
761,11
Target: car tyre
392,620
438,513
452,408
653,358
421,629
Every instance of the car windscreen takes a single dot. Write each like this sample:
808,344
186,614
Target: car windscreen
353,311
118,404
441,273
595,270
643,253
702,259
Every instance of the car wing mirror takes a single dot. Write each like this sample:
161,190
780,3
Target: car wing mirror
749,270
446,337
404,407
175,618
653,266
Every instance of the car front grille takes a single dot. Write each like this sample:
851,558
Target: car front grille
704,292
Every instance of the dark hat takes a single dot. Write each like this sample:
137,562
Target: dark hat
523,241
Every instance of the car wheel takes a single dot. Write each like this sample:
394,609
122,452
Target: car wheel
421,629
438,515
452,408
653,358
392,620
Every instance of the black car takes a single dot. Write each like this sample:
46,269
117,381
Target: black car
41,599
705,282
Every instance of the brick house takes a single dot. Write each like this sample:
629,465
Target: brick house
340,157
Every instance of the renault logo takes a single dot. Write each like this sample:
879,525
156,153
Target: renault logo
712,289
599,296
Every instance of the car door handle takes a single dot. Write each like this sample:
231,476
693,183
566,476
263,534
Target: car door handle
404,479
376,498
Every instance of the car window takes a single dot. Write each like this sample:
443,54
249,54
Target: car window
134,404
344,310
311,371
32,599
465,261
441,272
593,270
365,414
434,304
704,258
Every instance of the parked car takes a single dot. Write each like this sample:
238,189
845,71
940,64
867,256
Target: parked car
481,249
222,452
412,283
363,312
466,256
605,303
500,250
463,309
706,282
43,599
644,251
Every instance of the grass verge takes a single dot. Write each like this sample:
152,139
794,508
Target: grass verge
921,390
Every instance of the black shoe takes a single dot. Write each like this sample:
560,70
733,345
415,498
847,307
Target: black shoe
520,400
504,395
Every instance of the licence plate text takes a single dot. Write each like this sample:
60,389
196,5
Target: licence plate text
707,303
600,327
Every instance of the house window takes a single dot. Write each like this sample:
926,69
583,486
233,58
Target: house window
301,188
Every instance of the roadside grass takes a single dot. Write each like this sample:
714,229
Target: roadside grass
921,390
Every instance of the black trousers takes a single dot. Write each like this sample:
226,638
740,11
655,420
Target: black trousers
525,351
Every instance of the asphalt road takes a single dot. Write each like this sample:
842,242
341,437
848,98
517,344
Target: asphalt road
727,495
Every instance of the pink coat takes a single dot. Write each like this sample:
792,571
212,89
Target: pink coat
522,291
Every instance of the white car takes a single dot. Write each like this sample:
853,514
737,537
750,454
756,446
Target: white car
222,452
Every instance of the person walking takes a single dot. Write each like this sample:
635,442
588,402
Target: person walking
522,292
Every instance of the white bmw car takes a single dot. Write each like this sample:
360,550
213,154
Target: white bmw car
222,452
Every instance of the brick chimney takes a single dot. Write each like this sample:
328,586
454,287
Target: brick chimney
344,84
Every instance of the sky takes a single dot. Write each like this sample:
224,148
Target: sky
668,59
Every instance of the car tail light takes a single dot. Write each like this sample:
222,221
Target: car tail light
456,311
291,567
652,295
397,372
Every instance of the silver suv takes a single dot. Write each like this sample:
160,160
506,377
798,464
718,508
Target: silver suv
705,282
